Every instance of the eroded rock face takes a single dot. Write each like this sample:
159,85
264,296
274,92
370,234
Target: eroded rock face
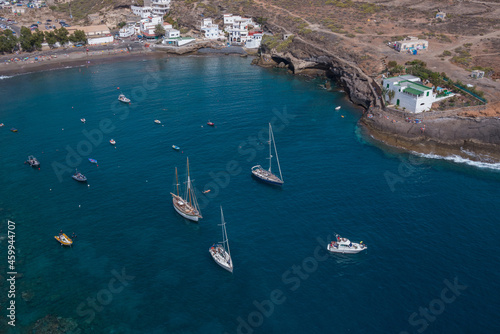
357,85
445,135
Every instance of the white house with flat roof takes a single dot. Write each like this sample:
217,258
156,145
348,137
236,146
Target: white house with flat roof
254,39
172,33
411,44
410,93
151,7
209,29
148,26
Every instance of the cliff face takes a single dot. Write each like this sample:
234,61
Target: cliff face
471,138
310,52
301,58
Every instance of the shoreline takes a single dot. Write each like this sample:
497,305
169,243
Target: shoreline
75,58
445,135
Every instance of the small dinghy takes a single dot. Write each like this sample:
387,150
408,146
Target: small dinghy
210,123
112,142
1,125
94,161
83,120
177,148
64,239
157,121
79,177
123,98
33,162
13,129
337,108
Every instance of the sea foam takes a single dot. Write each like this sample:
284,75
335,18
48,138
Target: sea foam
461,160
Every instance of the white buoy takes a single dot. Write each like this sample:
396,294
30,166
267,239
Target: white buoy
79,206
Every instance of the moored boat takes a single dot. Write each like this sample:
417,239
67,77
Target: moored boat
83,120
177,148
1,125
337,108
220,252
94,161
186,205
79,177
13,129
123,98
63,239
344,245
266,175
157,121
32,161
210,123
112,142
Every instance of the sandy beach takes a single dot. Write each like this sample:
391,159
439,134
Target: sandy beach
21,63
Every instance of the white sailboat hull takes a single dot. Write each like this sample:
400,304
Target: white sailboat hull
194,218
222,258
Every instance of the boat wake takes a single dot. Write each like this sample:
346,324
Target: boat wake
461,160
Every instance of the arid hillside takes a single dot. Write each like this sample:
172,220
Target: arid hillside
358,31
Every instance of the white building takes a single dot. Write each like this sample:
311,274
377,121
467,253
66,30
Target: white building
210,29
148,26
230,19
127,31
178,41
254,39
410,93
237,27
411,44
143,12
151,7
99,40
172,33
159,7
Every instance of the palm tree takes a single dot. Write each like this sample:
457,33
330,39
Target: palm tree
390,94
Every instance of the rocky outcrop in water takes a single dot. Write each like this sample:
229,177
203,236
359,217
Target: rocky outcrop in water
442,134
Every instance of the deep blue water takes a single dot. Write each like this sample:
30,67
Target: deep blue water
425,221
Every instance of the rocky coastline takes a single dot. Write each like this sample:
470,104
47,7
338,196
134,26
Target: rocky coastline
466,133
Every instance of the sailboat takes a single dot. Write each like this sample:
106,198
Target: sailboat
266,175
187,205
220,252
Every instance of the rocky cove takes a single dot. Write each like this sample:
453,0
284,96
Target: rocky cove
468,133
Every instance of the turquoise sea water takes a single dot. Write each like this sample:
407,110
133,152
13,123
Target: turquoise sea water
138,267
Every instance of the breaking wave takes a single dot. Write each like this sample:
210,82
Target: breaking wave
461,160
4,77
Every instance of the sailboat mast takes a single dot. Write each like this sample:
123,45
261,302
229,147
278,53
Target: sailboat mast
224,232
188,183
277,158
270,155
177,181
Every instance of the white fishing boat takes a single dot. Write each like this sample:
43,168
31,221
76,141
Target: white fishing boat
157,121
112,142
32,161
267,175
344,245
220,252
186,205
337,108
83,120
123,98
